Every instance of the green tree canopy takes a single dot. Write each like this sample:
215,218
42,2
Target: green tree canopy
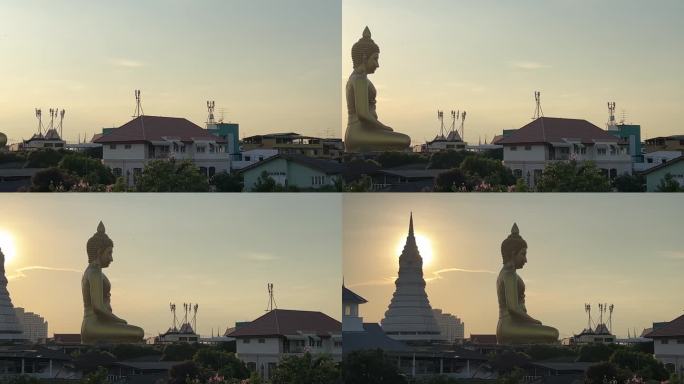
572,176
179,352
669,184
396,159
629,183
86,168
370,367
223,363
306,369
51,180
171,176
447,159
44,158
227,182
266,183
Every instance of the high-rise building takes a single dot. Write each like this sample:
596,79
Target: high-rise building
451,326
10,329
409,316
35,327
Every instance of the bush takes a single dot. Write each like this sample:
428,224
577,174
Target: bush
669,184
572,176
88,169
594,353
52,180
171,176
44,158
454,180
223,363
370,367
226,182
183,372
306,370
601,373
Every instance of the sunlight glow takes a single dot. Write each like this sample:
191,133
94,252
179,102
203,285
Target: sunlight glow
424,247
7,245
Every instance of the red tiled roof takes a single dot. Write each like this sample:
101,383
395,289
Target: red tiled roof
554,129
280,322
152,128
674,328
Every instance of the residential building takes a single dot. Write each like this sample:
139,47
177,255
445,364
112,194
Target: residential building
261,343
631,135
655,175
546,140
665,143
184,334
291,143
652,159
294,171
252,156
668,344
37,362
35,327
129,148
451,326
600,335
230,132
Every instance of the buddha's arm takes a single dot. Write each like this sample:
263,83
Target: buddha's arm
512,305
362,105
97,300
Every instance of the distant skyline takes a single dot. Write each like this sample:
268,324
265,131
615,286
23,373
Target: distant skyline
489,57
270,65
587,248
216,251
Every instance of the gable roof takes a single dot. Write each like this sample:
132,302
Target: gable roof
326,166
372,337
555,129
156,128
350,297
282,322
663,165
674,328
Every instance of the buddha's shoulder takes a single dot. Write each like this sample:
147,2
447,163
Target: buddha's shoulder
92,271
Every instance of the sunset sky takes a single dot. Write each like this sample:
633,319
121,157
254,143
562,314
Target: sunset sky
623,250
217,251
273,66
488,58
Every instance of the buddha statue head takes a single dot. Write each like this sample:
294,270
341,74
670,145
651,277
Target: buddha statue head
99,248
365,53
514,249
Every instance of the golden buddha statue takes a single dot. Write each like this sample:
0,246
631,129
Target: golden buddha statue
515,325
100,325
364,132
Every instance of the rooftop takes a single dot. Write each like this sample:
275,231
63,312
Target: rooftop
554,129
350,297
674,328
282,322
326,166
157,128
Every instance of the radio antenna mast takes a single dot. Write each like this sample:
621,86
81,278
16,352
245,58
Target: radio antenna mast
138,105
538,112
440,117
271,298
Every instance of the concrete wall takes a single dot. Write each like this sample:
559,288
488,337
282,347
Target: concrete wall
670,353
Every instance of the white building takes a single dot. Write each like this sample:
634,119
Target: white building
528,150
451,326
174,335
127,149
351,320
668,344
261,343
35,327
653,159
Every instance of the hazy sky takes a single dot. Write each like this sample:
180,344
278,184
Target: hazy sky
488,58
591,248
272,65
217,251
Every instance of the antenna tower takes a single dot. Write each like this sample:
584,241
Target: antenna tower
610,318
587,309
538,112
61,120
440,117
454,117
601,310
53,113
40,121
138,105
210,107
463,116
271,298
194,317
173,311
611,115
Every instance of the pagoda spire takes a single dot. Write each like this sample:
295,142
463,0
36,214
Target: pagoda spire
410,233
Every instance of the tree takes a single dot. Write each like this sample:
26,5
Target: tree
521,186
179,352
642,364
266,183
491,171
132,351
91,361
171,176
97,377
226,182
594,353
183,372
223,363
370,367
601,373
51,180
88,169
447,159
396,159
306,369
120,185
20,379
629,183
44,158
669,184
453,180
572,176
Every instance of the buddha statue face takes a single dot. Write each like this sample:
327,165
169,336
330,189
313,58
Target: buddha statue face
365,53
100,248
514,249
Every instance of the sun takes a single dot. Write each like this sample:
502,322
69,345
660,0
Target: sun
424,247
7,245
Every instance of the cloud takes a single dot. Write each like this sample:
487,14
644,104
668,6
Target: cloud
384,281
438,274
528,65
127,63
19,273
261,257
673,255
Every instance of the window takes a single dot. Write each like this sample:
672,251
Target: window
59,145
212,148
601,151
248,158
664,341
251,366
514,148
583,150
182,148
261,158
517,173
201,149
245,341
347,310
203,171
212,171
564,150
680,341
262,341
649,160
127,146
528,147
117,172
112,146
